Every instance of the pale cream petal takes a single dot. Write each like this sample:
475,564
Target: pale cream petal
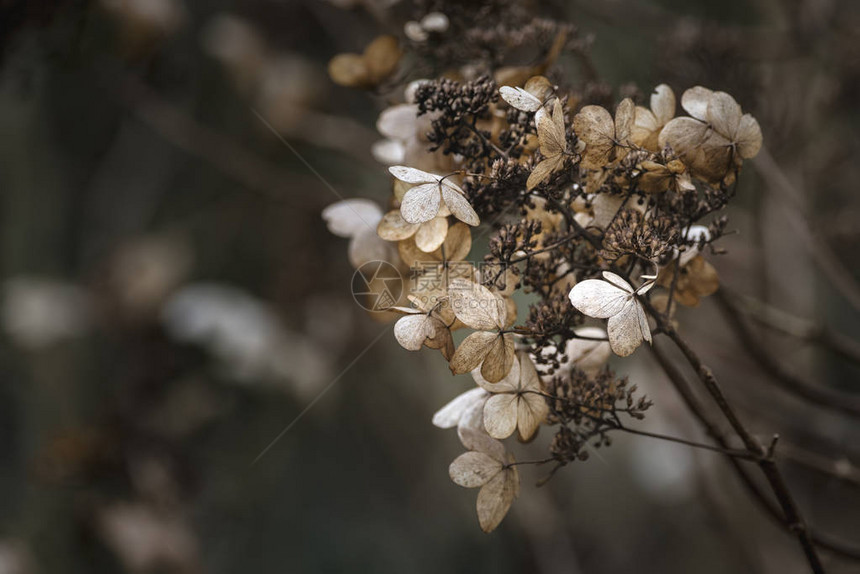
598,299
520,99
449,416
393,227
421,203
473,469
458,242
499,360
724,114
366,246
475,305
459,206
399,122
532,410
748,138
500,415
510,383
624,115
625,332
412,175
348,217
618,281
683,135
411,331
431,235
695,102
663,104
495,498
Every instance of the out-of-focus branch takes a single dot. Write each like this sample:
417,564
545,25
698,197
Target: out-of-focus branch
797,327
817,394
823,256
840,469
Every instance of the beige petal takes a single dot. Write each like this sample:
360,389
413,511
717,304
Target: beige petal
724,114
532,410
748,138
472,351
551,132
473,469
520,99
509,384
431,234
624,115
663,104
598,299
529,377
499,359
624,329
475,305
500,415
645,126
421,203
393,227
683,135
459,206
442,340
495,498
400,123
594,126
412,175
411,331
458,242
695,102
540,87
543,170
475,438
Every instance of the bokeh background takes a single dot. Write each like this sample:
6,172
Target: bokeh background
172,302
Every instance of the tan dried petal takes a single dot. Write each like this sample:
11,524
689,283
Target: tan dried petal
594,126
748,138
499,360
543,170
421,203
500,415
459,205
431,235
495,498
392,227
476,306
412,330
473,469
663,104
724,114
695,101
472,351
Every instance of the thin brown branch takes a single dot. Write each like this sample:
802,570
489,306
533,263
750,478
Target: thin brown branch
792,515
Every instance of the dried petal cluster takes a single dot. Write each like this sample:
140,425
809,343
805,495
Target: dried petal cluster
576,205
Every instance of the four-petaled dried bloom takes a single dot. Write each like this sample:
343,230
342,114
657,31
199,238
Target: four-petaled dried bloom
422,202
616,300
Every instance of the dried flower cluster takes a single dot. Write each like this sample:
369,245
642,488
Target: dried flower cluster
593,219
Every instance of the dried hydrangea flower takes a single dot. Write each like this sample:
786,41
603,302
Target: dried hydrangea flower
489,467
488,347
605,141
553,146
368,69
517,402
616,300
422,202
